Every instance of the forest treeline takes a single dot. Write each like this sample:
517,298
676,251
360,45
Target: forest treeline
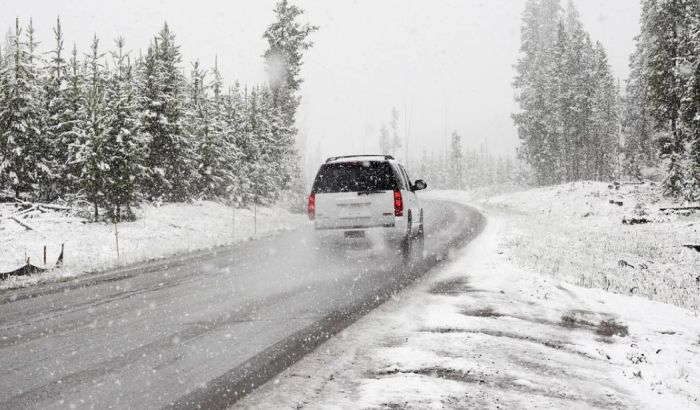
661,119
576,123
456,166
116,128
467,168
568,121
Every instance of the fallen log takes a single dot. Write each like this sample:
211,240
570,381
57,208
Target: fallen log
696,248
20,213
635,221
624,264
24,224
29,269
680,209
55,207
25,270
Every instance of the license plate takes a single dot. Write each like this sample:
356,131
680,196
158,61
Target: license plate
355,234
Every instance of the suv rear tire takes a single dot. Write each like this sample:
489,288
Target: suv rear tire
406,244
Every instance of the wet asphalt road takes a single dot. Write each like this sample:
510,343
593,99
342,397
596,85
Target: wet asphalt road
203,330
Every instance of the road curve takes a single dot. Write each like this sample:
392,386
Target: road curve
203,330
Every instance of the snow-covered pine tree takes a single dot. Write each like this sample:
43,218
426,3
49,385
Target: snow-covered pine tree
456,157
278,145
287,40
198,126
74,136
4,143
42,144
235,118
579,74
558,84
423,168
60,117
395,138
663,26
171,152
562,92
385,145
532,85
690,107
637,124
123,149
604,121
24,164
260,168
91,154
216,151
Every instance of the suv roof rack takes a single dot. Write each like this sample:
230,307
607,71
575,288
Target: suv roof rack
386,157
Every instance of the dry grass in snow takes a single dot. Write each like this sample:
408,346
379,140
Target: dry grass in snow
575,232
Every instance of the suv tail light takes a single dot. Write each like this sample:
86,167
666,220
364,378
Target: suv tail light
398,203
312,207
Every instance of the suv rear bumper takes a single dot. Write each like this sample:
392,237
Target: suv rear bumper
394,230
355,227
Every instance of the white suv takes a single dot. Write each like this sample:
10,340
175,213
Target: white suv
360,195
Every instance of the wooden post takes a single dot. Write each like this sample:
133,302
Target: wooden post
116,236
44,255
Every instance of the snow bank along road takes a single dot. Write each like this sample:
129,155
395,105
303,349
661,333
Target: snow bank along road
203,331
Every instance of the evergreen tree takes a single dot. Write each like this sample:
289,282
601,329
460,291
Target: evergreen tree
73,136
637,123
91,154
568,116
690,106
660,25
385,145
198,126
287,40
456,161
259,132
60,117
24,164
235,119
663,68
216,151
394,125
170,153
533,87
604,145
123,148
77,129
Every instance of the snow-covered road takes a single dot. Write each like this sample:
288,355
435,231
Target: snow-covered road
482,332
202,331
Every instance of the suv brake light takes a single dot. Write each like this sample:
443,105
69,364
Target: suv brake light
398,203
312,207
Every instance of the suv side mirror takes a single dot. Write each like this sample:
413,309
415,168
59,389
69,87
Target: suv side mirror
419,185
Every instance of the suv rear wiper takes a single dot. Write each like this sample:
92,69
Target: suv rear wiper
370,192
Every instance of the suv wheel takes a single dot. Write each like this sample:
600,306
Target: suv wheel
406,245
420,238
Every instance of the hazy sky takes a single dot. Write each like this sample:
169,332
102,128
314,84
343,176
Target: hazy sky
447,63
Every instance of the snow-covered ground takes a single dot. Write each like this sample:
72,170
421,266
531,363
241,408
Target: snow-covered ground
489,330
574,232
158,232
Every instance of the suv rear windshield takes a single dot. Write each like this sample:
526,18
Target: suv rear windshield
355,177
